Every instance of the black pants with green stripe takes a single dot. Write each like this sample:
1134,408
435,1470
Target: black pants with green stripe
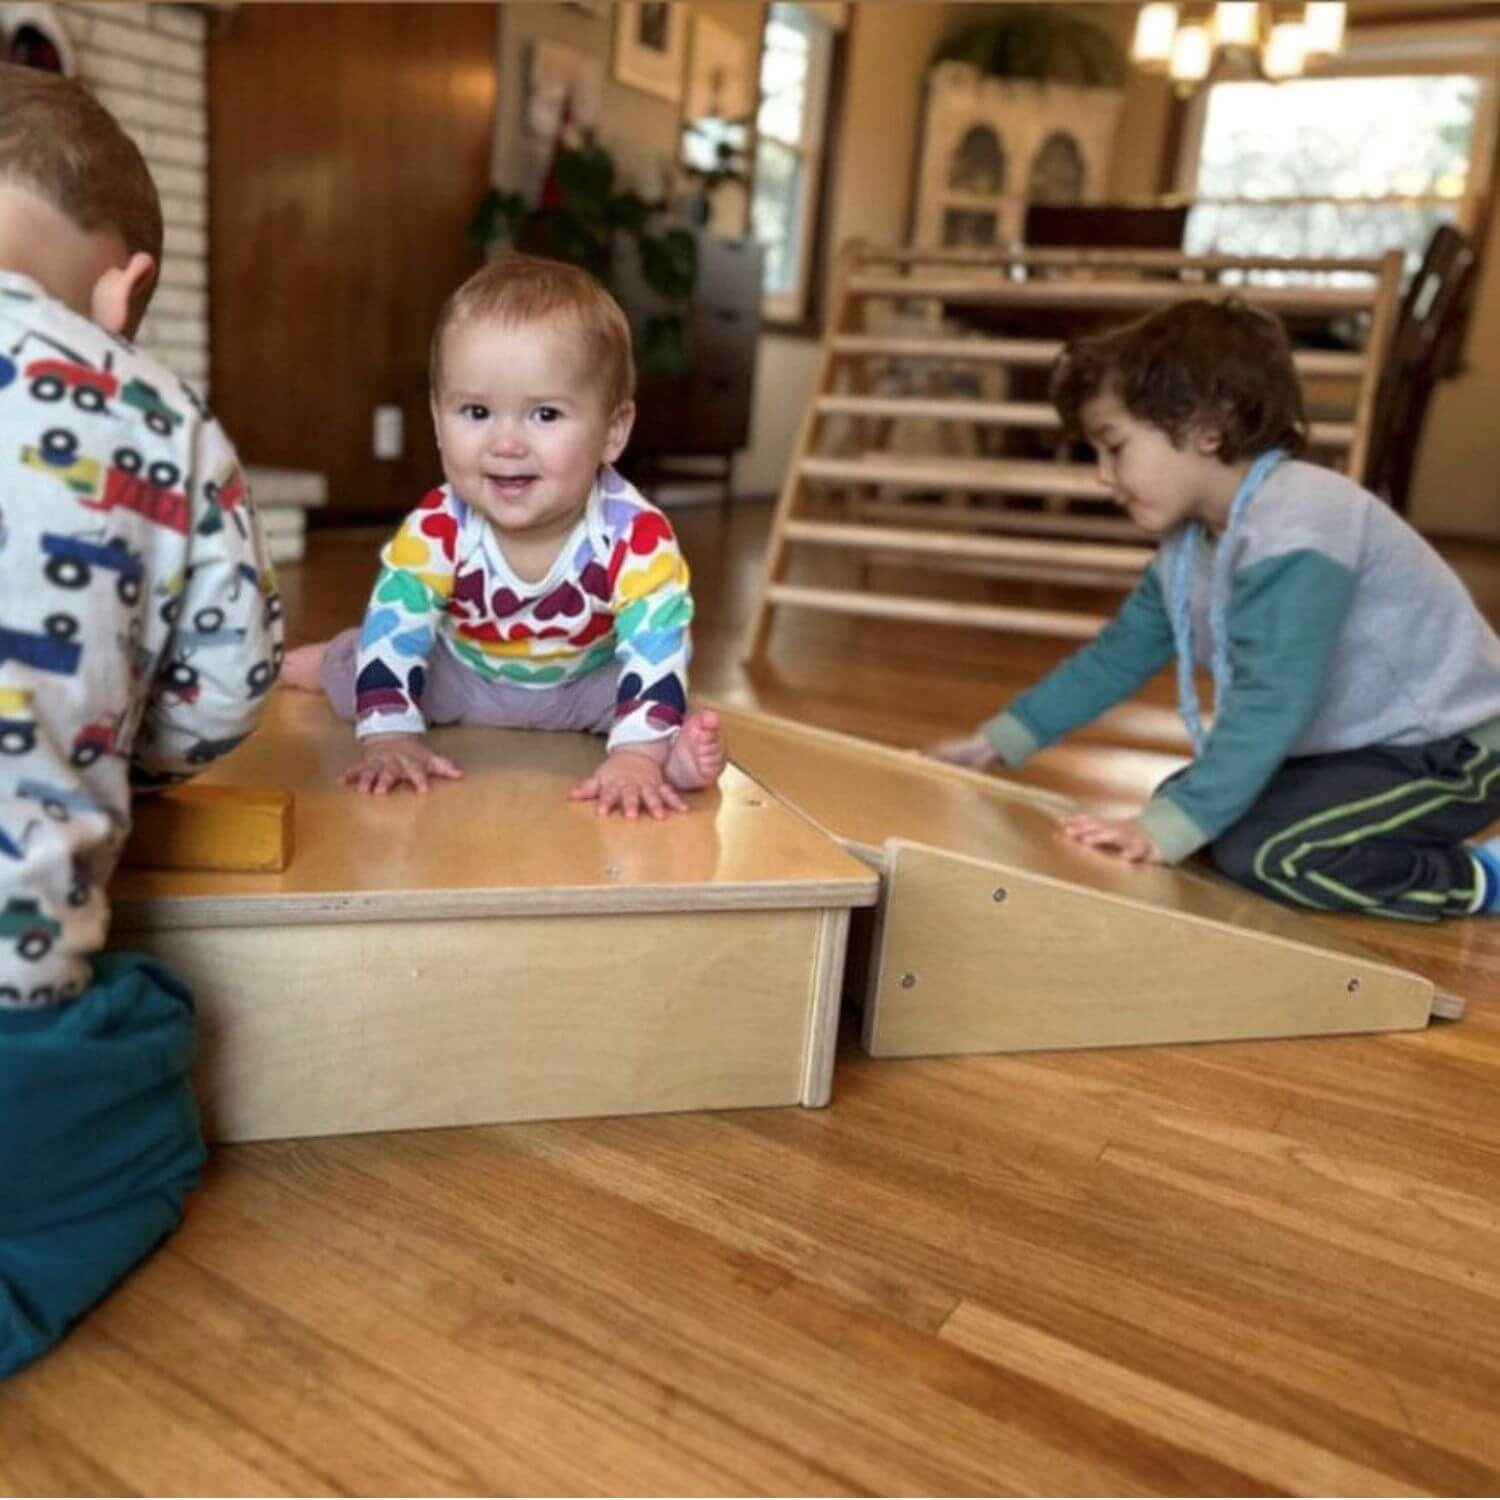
1378,831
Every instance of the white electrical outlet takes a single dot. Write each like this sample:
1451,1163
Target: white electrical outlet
389,432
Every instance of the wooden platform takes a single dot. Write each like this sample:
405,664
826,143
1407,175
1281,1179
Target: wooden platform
496,953
996,934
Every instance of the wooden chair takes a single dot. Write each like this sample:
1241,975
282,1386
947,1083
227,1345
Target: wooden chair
1425,349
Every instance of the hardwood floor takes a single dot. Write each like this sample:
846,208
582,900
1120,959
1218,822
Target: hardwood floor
1228,1269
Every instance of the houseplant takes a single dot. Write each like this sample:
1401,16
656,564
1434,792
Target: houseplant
580,217
1037,42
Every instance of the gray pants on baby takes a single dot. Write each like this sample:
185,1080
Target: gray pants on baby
456,694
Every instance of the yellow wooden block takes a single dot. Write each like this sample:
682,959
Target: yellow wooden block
211,828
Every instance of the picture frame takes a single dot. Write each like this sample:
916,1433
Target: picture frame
651,48
557,75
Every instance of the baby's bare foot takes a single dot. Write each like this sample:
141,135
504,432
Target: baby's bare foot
697,758
303,668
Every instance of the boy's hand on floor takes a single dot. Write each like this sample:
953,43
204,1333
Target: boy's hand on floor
1120,836
631,782
973,751
388,760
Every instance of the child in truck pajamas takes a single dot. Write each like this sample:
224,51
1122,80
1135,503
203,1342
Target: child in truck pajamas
139,634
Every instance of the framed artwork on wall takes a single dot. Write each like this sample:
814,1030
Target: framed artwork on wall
651,48
562,77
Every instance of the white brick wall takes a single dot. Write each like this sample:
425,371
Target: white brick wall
146,64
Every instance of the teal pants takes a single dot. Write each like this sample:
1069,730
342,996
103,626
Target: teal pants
99,1145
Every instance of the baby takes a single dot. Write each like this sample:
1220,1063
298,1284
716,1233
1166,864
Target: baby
536,589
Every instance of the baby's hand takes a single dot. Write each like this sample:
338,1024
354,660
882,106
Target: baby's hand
629,780
973,751
1120,836
387,760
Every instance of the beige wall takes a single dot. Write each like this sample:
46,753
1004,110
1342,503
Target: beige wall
887,51
1457,486
886,68
639,130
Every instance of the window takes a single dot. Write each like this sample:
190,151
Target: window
1336,166
796,65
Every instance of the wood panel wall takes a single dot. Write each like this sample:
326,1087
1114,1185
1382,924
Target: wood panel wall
348,147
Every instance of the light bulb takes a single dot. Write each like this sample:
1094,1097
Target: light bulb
1286,50
1155,27
1192,52
1324,23
1236,24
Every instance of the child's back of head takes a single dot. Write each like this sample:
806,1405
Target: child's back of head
62,151
1222,364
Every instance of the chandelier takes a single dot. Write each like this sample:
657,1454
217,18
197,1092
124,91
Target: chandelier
1190,44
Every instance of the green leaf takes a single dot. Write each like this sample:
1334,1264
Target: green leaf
496,217
629,211
586,176
663,345
1037,42
670,263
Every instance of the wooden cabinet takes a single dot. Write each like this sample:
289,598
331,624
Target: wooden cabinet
990,146
705,413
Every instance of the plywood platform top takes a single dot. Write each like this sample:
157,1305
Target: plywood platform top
504,841
869,796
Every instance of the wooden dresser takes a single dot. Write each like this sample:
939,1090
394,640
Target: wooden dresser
705,413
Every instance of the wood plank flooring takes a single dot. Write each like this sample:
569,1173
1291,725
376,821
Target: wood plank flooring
1232,1269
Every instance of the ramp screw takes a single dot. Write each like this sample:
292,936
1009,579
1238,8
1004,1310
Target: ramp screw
998,894
908,981
1354,986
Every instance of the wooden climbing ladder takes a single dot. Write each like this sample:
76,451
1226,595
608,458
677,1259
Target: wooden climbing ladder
901,350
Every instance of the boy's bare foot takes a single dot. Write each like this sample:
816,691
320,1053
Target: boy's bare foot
303,668
697,758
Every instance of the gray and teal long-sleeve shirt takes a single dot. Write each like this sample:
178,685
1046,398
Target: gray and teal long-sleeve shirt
1346,629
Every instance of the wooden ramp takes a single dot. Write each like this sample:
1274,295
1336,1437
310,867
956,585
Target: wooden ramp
996,934
493,952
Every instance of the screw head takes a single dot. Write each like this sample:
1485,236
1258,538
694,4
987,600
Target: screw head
1353,986
998,894
908,981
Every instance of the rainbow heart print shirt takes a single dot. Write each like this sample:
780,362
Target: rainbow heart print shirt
617,595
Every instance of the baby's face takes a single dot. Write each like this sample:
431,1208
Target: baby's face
523,424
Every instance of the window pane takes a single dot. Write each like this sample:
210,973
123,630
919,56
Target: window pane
776,212
1325,148
1328,228
783,78
1338,137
